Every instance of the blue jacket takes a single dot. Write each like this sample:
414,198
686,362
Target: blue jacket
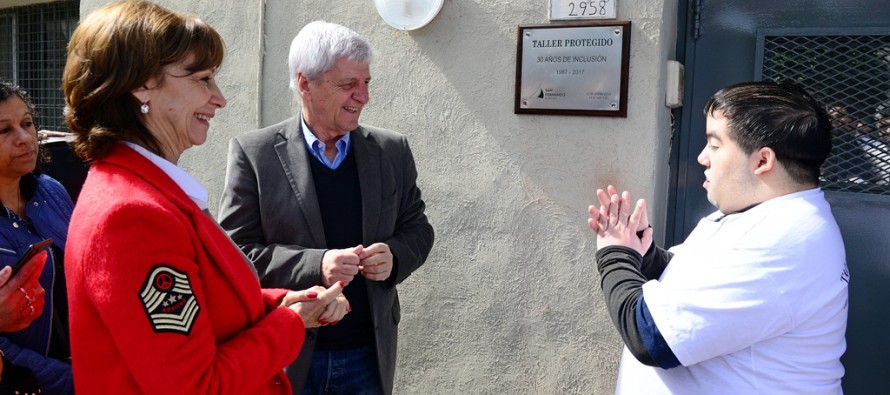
50,211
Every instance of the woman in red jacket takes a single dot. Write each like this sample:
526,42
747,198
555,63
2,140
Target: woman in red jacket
161,301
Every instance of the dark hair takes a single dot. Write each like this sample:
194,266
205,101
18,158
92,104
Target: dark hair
9,90
782,117
116,50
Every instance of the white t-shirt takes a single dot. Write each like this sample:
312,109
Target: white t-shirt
751,303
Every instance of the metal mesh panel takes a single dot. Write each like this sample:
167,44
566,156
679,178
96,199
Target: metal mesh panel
850,75
33,42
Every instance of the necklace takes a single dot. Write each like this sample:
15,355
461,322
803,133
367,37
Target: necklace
17,209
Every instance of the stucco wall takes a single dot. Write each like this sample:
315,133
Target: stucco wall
509,300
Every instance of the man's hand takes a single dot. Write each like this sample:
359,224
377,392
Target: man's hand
614,223
21,297
340,265
45,134
376,262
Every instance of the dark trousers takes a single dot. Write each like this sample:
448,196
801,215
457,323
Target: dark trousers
342,372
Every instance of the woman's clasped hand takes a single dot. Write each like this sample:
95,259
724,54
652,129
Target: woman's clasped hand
318,306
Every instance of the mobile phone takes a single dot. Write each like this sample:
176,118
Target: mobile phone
32,250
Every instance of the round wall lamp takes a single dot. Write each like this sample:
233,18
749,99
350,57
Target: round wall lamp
408,14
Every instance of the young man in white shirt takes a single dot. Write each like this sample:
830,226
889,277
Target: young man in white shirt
755,300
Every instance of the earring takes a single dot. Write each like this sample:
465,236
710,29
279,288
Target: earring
144,108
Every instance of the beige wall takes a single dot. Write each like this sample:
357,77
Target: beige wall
509,300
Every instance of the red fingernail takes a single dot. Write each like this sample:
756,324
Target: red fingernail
348,308
341,283
311,294
323,322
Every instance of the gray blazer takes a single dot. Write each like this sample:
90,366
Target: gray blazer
270,209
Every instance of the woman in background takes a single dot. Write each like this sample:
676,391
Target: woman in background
35,207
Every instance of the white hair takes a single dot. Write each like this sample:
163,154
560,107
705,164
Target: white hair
317,47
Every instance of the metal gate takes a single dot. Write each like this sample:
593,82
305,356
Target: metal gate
848,70
33,46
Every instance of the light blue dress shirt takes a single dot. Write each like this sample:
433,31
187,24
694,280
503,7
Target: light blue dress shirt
316,147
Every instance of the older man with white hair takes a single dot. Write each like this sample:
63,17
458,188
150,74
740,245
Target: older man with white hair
318,199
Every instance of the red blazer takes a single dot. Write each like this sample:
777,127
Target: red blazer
161,301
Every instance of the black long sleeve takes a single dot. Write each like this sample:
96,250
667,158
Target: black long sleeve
655,261
622,284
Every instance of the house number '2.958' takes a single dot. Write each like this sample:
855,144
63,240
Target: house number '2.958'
586,8
589,9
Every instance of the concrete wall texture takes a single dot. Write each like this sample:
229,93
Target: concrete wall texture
509,300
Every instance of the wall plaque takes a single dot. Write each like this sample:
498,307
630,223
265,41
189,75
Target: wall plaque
573,69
